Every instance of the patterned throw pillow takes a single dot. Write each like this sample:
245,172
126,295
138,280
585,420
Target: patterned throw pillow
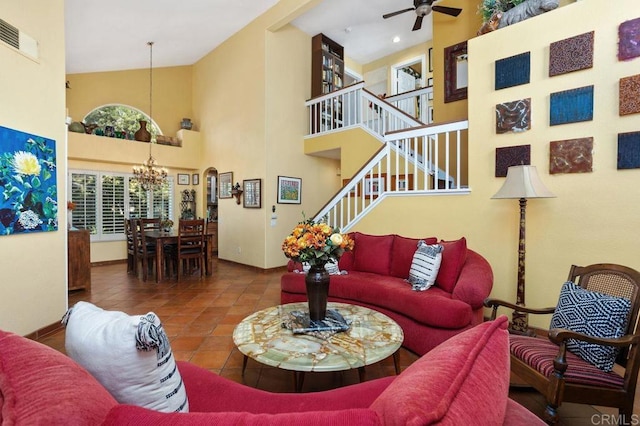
594,314
129,355
425,266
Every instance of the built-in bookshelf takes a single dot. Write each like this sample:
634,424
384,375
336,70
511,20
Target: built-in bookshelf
327,75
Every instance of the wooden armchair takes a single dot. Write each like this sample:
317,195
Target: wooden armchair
554,370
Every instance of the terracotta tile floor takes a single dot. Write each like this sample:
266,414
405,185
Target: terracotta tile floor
199,316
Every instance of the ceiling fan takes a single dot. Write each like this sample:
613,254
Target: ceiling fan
423,8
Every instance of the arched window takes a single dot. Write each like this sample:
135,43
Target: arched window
122,118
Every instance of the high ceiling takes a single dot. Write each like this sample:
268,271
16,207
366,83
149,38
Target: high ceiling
113,35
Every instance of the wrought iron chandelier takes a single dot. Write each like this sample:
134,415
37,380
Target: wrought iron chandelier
149,174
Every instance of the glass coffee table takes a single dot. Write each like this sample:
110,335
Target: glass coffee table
371,337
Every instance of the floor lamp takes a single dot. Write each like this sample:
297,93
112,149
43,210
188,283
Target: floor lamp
522,183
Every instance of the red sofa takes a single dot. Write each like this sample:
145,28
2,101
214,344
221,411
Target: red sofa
376,272
463,381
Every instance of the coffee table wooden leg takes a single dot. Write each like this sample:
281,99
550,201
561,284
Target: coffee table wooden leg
244,364
362,374
396,361
298,380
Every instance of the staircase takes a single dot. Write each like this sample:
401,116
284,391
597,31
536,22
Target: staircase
414,158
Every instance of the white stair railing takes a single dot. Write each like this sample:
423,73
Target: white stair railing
355,106
415,103
394,170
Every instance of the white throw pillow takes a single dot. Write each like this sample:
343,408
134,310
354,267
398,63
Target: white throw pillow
129,355
425,266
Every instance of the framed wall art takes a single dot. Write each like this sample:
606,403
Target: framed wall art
289,190
195,179
29,201
225,183
374,186
252,193
455,72
183,179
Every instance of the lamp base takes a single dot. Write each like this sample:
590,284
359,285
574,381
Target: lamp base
520,324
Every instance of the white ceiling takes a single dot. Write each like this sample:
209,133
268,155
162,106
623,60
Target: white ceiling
113,35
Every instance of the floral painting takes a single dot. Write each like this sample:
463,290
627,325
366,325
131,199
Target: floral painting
28,181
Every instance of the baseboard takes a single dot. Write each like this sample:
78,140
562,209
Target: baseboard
45,331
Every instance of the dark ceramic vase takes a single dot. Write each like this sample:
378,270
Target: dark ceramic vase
317,282
142,134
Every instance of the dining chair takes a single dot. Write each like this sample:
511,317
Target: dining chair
132,258
146,251
590,355
191,245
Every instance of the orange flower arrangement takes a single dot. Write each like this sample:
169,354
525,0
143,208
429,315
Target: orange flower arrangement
316,243
71,205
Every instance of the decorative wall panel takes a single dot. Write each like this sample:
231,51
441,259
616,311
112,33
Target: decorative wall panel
629,150
571,156
629,97
513,116
513,71
571,54
629,40
571,106
511,156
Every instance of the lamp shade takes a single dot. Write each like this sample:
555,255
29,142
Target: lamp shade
523,182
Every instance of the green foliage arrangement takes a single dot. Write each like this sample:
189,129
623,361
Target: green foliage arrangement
490,7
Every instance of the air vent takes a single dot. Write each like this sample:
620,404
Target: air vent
18,39
9,34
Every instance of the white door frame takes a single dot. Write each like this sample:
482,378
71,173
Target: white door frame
394,73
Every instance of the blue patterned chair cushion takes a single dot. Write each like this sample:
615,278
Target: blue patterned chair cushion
425,265
594,314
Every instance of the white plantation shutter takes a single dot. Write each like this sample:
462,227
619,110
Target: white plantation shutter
104,199
163,200
138,200
113,208
84,195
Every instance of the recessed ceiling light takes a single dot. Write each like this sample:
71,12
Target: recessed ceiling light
396,39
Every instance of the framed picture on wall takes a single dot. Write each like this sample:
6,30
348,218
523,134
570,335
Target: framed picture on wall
289,190
225,182
252,193
195,179
183,179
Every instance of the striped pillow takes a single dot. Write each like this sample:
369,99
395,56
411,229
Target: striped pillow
424,266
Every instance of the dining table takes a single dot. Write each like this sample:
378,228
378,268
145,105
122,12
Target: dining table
163,238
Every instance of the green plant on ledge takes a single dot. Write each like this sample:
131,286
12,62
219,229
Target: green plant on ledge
488,8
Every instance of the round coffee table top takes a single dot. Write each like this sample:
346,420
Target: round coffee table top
372,337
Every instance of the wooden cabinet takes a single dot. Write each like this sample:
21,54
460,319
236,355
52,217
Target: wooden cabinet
212,228
327,75
79,260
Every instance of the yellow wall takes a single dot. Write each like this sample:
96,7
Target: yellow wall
595,215
449,31
249,94
398,57
171,93
34,282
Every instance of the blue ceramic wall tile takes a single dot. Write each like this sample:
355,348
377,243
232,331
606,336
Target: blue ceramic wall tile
513,71
571,106
629,150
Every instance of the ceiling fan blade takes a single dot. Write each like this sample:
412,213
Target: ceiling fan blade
453,11
418,24
389,15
